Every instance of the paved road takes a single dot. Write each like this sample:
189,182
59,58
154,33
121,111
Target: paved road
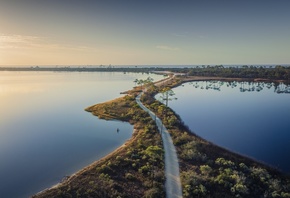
172,185
164,81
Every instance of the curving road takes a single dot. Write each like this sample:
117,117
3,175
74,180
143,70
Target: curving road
172,184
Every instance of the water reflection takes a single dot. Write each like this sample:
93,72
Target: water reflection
45,133
251,118
244,86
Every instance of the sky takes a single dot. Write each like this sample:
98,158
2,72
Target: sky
144,32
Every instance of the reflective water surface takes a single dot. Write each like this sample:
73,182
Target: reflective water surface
252,119
45,134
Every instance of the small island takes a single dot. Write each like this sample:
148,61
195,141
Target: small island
136,169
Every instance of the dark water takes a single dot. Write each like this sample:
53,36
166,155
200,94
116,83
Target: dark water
45,134
250,119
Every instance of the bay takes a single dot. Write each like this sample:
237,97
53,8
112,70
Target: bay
45,134
252,119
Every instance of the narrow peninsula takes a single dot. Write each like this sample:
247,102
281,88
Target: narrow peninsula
136,169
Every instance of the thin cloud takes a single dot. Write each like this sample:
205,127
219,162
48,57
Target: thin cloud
17,38
165,47
33,42
17,41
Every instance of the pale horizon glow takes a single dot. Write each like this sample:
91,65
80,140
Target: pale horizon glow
144,33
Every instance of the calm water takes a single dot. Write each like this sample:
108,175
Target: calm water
251,119
45,134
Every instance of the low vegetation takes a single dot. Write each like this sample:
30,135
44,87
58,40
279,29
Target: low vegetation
210,171
134,170
137,168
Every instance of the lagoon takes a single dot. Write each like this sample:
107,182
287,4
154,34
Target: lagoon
45,134
252,119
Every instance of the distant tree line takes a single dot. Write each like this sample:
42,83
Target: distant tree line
81,69
277,73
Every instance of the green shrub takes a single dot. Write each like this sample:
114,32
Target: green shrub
129,176
223,162
144,169
199,190
243,166
284,195
240,189
261,174
205,169
152,193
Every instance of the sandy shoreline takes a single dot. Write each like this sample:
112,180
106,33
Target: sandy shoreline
92,165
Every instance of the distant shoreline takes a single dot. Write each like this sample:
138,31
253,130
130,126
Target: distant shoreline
136,68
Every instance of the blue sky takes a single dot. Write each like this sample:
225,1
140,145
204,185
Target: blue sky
137,32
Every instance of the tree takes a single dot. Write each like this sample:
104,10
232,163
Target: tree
135,81
167,95
149,80
140,82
